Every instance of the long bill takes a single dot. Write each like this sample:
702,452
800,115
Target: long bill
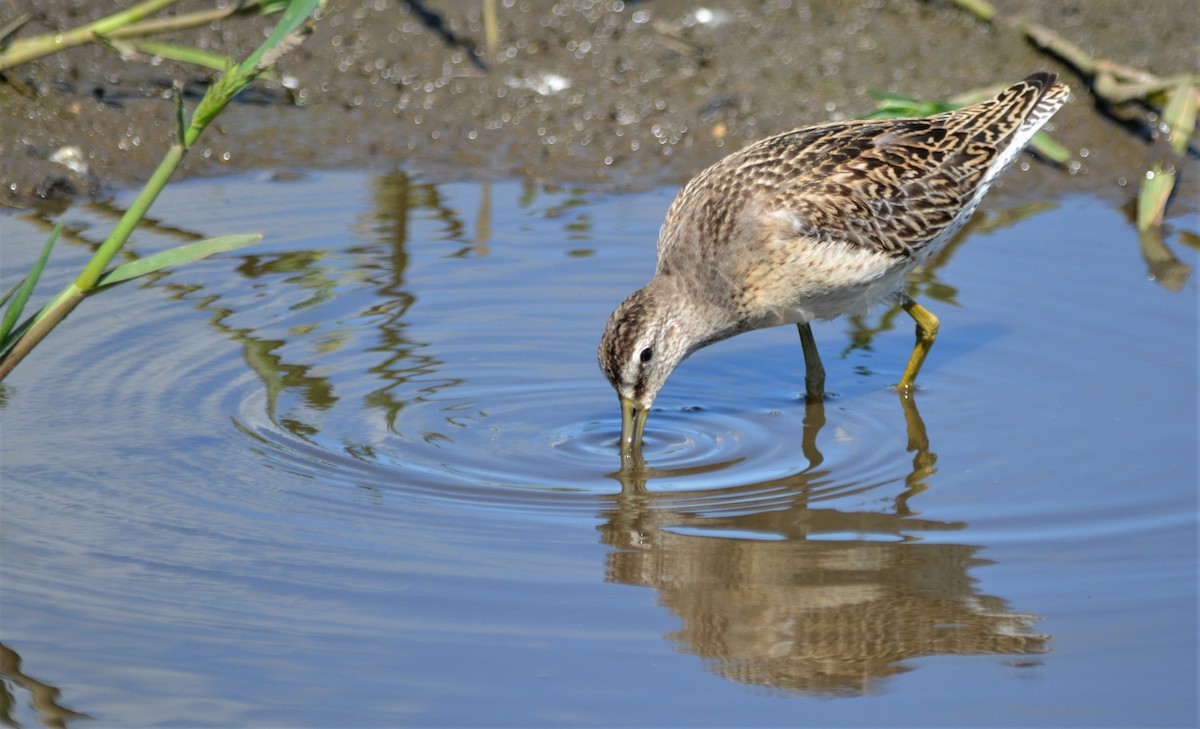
633,424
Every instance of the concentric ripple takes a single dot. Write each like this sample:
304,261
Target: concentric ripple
374,455
471,383
554,447
394,362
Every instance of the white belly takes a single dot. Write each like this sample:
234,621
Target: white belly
825,281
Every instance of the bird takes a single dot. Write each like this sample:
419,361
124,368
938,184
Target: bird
808,225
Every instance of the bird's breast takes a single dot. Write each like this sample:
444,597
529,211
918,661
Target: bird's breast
801,280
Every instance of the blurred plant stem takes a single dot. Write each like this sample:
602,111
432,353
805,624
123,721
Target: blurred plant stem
490,28
129,23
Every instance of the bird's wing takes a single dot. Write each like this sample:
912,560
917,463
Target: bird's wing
889,185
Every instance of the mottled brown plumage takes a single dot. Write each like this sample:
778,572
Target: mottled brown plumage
812,224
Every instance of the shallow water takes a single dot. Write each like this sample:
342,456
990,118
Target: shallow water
364,473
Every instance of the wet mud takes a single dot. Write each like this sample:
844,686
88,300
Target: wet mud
611,94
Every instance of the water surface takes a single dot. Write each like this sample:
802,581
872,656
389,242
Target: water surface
364,473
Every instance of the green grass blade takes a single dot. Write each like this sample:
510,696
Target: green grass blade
891,105
890,114
267,7
1047,147
17,305
24,50
9,294
1180,115
183,54
176,256
295,15
891,96
289,32
173,52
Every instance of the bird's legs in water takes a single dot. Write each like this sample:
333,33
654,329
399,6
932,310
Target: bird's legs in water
927,329
814,371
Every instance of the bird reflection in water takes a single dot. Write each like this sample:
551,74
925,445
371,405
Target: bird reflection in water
775,592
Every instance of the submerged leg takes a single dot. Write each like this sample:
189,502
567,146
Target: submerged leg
814,371
927,329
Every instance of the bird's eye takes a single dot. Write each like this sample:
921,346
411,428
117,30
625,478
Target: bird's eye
646,354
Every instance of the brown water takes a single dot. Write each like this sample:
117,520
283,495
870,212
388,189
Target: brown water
365,474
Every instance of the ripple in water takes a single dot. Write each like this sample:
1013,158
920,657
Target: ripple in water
394,363
553,446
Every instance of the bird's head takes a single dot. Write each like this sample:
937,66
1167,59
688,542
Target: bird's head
647,337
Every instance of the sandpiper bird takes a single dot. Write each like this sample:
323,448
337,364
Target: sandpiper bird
812,224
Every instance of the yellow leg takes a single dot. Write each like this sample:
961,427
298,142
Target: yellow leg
927,329
814,371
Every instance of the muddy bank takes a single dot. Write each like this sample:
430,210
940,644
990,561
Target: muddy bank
592,91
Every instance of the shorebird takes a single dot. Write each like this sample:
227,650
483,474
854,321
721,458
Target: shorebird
812,224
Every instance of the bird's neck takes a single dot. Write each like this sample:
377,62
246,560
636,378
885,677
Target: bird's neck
696,309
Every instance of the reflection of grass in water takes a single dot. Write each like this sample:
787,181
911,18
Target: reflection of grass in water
1162,266
297,361
17,341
